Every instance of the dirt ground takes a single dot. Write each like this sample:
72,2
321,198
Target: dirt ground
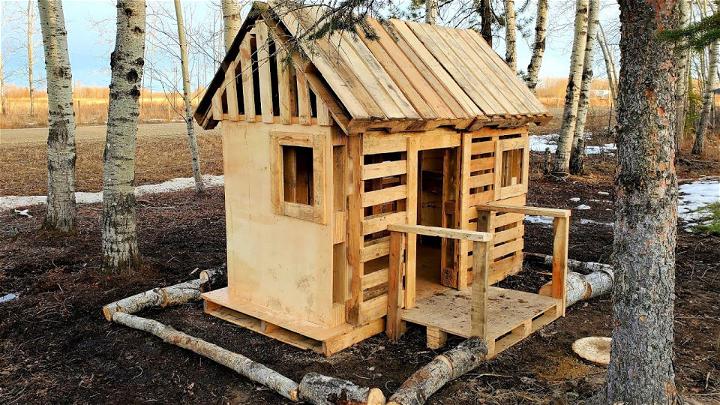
55,346
162,154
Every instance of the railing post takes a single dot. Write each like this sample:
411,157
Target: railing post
560,258
481,268
397,250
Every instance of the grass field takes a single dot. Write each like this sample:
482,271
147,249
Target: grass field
162,154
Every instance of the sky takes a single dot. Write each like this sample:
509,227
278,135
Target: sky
91,24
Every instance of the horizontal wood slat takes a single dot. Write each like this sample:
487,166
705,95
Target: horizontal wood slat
384,169
374,279
380,222
379,248
384,196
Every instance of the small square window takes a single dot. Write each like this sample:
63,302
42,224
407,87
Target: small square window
512,171
298,174
298,170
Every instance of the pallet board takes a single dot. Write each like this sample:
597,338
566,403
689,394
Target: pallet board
511,315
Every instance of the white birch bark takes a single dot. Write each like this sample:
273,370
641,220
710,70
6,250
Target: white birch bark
119,234
533,69
577,155
703,123
192,139
231,21
30,56
561,166
431,11
61,211
609,63
681,88
510,34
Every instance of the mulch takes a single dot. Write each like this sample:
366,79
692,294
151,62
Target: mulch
55,346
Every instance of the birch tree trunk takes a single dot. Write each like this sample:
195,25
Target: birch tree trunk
431,11
577,154
572,93
231,21
61,210
641,369
119,234
30,56
699,144
533,69
192,139
609,63
510,33
681,90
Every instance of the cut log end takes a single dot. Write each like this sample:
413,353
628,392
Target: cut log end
323,390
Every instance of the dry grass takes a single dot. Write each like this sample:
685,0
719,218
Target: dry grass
90,104
162,154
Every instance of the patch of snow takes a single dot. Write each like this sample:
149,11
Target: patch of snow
575,199
585,221
210,181
695,196
539,143
23,213
603,193
533,219
8,297
582,207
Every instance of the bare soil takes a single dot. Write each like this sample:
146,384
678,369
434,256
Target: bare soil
55,346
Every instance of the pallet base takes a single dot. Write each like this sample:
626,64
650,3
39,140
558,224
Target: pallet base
512,316
335,340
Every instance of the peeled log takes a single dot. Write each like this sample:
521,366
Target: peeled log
237,362
157,297
575,265
441,370
323,390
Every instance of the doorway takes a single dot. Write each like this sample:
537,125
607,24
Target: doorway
438,191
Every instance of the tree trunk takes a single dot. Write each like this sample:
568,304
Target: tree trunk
234,361
323,390
30,56
119,233
533,69
61,120
431,11
442,369
572,93
609,64
484,7
708,99
510,33
681,96
231,21
192,140
577,155
641,369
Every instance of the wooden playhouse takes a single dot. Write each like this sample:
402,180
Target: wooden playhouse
373,179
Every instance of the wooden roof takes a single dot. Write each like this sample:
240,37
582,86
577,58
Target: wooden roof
413,71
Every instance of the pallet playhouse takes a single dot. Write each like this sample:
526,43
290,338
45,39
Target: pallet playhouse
340,151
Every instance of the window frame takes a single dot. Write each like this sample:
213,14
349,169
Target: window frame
317,211
502,145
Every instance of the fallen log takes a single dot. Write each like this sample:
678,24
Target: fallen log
212,279
583,286
236,362
323,390
157,297
441,370
574,265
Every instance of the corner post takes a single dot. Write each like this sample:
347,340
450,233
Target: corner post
478,313
393,327
561,232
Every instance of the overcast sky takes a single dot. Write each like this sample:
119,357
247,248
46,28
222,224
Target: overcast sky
90,26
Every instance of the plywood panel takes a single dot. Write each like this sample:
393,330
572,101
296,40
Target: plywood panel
280,263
